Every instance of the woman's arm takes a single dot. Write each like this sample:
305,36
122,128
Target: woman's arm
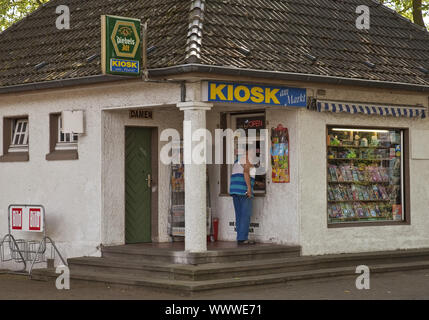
246,173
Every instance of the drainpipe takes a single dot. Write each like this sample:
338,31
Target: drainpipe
183,91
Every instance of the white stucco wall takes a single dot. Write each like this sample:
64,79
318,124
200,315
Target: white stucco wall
113,179
296,213
71,191
84,199
316,237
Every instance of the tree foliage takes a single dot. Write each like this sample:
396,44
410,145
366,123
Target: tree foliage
13,10
415,10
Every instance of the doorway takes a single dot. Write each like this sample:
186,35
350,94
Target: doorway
139,176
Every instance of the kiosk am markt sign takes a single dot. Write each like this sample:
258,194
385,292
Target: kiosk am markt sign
120,45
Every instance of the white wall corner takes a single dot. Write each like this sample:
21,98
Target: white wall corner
419,144
194,105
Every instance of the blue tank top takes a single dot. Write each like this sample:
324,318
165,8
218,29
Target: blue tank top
238,184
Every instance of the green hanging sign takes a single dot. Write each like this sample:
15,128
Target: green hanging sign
121,46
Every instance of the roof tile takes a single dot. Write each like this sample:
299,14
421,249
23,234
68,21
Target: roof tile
279,34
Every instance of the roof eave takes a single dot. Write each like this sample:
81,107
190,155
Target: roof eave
200,68
55,84
289,76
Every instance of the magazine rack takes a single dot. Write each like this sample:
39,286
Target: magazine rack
177,197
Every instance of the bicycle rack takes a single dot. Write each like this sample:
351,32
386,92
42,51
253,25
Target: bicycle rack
23,250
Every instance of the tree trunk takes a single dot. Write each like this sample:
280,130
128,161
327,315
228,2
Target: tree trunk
418,13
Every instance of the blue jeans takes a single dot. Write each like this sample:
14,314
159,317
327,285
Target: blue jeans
243,212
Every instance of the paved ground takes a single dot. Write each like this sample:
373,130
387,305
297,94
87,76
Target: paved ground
398,285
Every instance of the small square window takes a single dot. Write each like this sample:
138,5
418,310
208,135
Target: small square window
62,145
19,141
66,141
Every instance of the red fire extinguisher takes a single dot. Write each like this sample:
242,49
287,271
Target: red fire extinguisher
215,228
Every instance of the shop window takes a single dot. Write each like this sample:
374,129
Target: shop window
15,139
245,121
62,146
366,176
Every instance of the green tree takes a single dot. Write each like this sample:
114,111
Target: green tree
13,10
415,10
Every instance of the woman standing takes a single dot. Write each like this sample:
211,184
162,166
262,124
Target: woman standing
241,189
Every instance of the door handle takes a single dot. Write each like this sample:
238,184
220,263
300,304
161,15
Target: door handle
149,181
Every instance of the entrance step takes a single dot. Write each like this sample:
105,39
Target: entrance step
131,268
187,286
220,254
295,264
211,271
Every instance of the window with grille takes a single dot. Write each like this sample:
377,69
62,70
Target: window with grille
20,138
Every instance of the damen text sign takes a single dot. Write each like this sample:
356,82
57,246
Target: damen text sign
140,114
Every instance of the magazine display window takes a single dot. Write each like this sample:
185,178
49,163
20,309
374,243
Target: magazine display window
365,175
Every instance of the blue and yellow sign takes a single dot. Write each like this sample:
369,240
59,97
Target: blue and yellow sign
255,94
124,66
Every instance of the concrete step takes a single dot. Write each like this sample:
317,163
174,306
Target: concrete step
184,286
275,266
245,253
133,268
230,270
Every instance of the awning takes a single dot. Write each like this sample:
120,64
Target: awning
370,109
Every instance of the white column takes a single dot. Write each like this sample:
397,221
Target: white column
195,178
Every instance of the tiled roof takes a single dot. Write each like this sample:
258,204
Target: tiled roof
36,39
288,35
316,37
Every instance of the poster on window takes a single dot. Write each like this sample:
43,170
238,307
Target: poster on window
280,155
